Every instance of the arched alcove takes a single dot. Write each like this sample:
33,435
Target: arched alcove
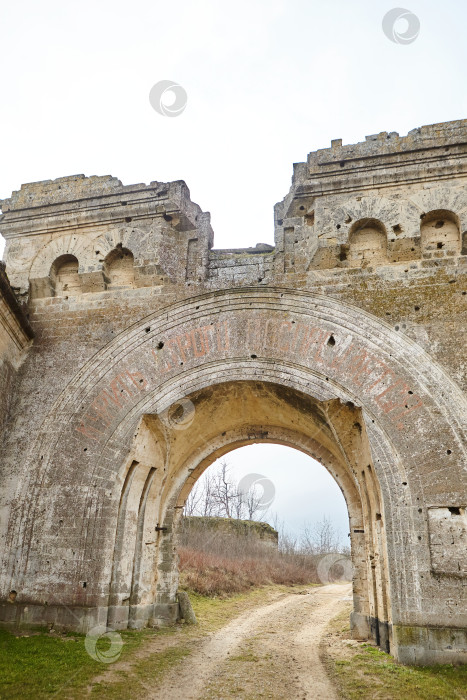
64,276
440,233
119,268
367,243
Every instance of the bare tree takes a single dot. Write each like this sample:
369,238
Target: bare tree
252,502
225,493
193,501
320,538
216,493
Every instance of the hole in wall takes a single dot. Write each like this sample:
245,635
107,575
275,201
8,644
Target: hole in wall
331,341
439,224
454,510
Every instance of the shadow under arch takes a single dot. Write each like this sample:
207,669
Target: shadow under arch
234,414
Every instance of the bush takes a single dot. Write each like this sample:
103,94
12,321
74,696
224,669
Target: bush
219,563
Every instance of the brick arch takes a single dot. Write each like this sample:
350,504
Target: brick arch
90,252
452,199
112,239
390,212
71,244
440,231
314,344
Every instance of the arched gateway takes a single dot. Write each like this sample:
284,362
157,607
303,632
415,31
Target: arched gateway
136,380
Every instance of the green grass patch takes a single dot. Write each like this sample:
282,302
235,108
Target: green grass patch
366,673
37,665
42,665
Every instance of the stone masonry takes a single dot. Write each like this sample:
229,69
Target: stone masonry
133,354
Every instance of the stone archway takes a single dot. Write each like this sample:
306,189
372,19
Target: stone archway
234,414
373,392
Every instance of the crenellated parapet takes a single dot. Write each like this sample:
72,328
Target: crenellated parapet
80,235
389,200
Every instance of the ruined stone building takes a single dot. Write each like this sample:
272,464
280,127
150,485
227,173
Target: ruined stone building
133,354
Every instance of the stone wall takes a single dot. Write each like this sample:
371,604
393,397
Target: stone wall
154,354
15,338
254,531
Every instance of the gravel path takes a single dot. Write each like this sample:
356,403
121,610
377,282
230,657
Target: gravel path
269,652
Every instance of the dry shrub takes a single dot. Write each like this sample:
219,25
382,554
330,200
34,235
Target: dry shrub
235,568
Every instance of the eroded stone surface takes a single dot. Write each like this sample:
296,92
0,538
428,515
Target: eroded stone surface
153,354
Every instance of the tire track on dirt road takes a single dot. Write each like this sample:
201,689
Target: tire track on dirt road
269,652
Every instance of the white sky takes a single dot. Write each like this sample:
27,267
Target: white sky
303,490
267,82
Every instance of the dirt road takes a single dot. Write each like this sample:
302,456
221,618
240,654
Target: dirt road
270,652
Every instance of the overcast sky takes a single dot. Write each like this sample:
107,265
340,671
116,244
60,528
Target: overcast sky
267,81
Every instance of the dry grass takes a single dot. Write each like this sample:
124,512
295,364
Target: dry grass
213,574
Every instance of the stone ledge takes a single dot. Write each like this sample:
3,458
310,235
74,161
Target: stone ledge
423,646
